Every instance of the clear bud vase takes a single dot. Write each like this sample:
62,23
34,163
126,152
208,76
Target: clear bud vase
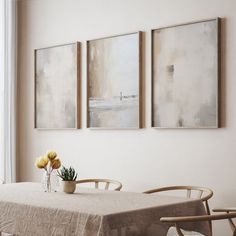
50,181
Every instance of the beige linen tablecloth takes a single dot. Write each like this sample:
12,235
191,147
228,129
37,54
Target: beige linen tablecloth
26,210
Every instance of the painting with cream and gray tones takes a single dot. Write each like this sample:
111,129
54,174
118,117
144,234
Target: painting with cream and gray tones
56,87
185,76
113,80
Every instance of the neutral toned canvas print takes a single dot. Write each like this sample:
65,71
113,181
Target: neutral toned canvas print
185,76
56,82
114,82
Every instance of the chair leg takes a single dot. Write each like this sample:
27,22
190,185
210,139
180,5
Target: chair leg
231,223
234,233
178,230
208,213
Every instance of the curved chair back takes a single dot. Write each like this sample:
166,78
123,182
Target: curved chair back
109,184
202,193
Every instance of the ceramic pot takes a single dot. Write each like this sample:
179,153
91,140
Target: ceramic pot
69,186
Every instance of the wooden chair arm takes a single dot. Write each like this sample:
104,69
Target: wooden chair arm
227,209
183,219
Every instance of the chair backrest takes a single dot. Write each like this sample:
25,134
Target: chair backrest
228,210
183,219
109,184
202,193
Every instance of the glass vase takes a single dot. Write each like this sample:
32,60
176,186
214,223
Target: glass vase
50,181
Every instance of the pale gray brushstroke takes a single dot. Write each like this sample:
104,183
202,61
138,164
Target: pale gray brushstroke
56,87
114,82
189,100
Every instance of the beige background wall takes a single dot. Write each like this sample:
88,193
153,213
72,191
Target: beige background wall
141,159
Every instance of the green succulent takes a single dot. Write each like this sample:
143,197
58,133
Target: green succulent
67,174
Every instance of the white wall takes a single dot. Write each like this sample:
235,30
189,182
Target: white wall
140,159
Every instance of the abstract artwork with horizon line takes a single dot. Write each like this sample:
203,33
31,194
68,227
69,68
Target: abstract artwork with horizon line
114,87
185,75
56,87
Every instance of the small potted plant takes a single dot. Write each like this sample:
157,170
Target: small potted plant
68,176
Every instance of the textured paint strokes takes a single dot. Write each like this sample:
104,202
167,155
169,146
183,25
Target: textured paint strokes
56,87
114,82
185,76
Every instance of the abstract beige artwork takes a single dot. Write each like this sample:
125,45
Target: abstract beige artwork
56,87
114,82
185,66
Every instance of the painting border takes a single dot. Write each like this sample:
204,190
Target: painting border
218,97
140,81
78,87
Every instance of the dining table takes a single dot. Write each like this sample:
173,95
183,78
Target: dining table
26,210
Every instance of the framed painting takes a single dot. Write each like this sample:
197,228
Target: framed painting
57,82
186,75
114,82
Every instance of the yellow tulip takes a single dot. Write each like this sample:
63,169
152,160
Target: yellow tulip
38,163
56,164
42,162
45,160
51,155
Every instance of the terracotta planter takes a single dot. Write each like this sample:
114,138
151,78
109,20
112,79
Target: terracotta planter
69,186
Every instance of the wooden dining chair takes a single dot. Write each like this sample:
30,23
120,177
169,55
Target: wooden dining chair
109,184
184,219
191,192
228,210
